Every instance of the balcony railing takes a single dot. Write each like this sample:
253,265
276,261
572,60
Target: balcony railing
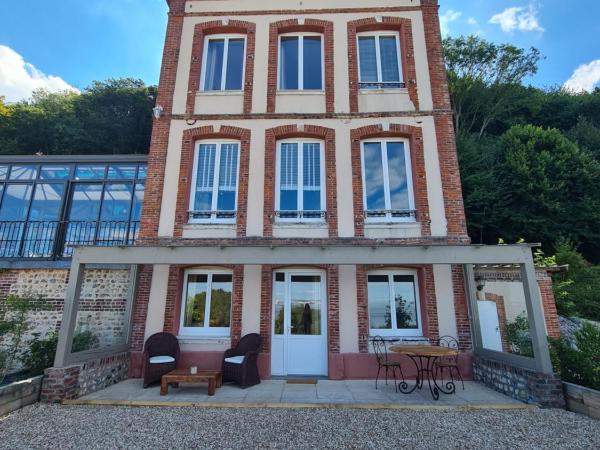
54,239
381,85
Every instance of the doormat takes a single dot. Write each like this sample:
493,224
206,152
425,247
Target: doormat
303,381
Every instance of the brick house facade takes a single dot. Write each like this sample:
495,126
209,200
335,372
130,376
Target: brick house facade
377,82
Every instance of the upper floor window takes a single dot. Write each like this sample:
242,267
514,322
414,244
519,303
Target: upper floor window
379,60
387,181
300,181
206,305
301,62
223,65
47,208
394,303
214,182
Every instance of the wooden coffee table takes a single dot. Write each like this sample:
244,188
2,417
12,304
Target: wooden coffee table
214,378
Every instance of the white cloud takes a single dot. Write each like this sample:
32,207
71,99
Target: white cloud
446,18
518,18
585,77
472,21
18,78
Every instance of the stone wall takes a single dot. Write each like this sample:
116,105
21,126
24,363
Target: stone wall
75,381
102,309
519,383
19,394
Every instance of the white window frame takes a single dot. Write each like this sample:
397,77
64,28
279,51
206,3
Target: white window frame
206,330
378,35
395,331
300,187
225,37
300,37
388,218
214,213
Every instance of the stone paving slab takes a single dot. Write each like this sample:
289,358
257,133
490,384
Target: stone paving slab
278,392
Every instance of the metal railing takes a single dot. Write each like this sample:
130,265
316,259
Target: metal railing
295,215
381,84
391,214
54,239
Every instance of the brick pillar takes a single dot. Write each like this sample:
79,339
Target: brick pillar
548,304
60,384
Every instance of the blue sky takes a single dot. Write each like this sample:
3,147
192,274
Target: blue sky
61,43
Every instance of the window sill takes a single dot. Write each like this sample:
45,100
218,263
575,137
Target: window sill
300,230
204,339
219,225
209,230
298,92
219,93
393,224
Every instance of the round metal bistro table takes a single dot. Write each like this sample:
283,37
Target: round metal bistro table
424,357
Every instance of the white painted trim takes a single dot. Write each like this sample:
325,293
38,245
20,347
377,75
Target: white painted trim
377,35
205,330
215,189
300,37
300,185
395,331
226,38
386,183
289,272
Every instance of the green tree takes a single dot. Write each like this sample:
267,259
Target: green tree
484,79
552,187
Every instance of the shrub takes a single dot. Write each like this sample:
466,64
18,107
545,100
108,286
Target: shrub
41,353
579,362
519,337
84,340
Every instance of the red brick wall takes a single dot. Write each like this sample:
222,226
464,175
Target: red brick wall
461,309
427,300
161,127
419,177
140,308
202,30
549,304
292,26
404,28
190,137
327,135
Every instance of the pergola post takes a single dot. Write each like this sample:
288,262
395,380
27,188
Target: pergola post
67,326
537,327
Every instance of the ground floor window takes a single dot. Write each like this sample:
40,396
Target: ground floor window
394,303
206,303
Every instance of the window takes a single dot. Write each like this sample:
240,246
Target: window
387,181
394,303
223,67
301,62
300,182
46,208
379,61
214,182
206,304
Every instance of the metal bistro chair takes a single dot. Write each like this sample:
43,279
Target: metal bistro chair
381,354
449,363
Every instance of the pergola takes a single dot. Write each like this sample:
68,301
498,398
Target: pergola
330,254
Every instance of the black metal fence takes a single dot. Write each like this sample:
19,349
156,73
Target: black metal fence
54,239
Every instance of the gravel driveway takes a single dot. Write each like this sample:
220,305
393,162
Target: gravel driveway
46,426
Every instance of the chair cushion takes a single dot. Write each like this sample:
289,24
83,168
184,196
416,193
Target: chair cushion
161,359
235,359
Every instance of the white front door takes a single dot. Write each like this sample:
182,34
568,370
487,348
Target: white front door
489,325
299,343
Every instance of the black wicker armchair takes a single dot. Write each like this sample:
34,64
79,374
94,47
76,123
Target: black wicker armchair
240,363
161,355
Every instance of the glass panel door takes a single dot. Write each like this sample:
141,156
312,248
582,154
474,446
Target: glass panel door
305,305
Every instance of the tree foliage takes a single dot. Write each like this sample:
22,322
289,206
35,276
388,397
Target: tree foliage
485,79
109,117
